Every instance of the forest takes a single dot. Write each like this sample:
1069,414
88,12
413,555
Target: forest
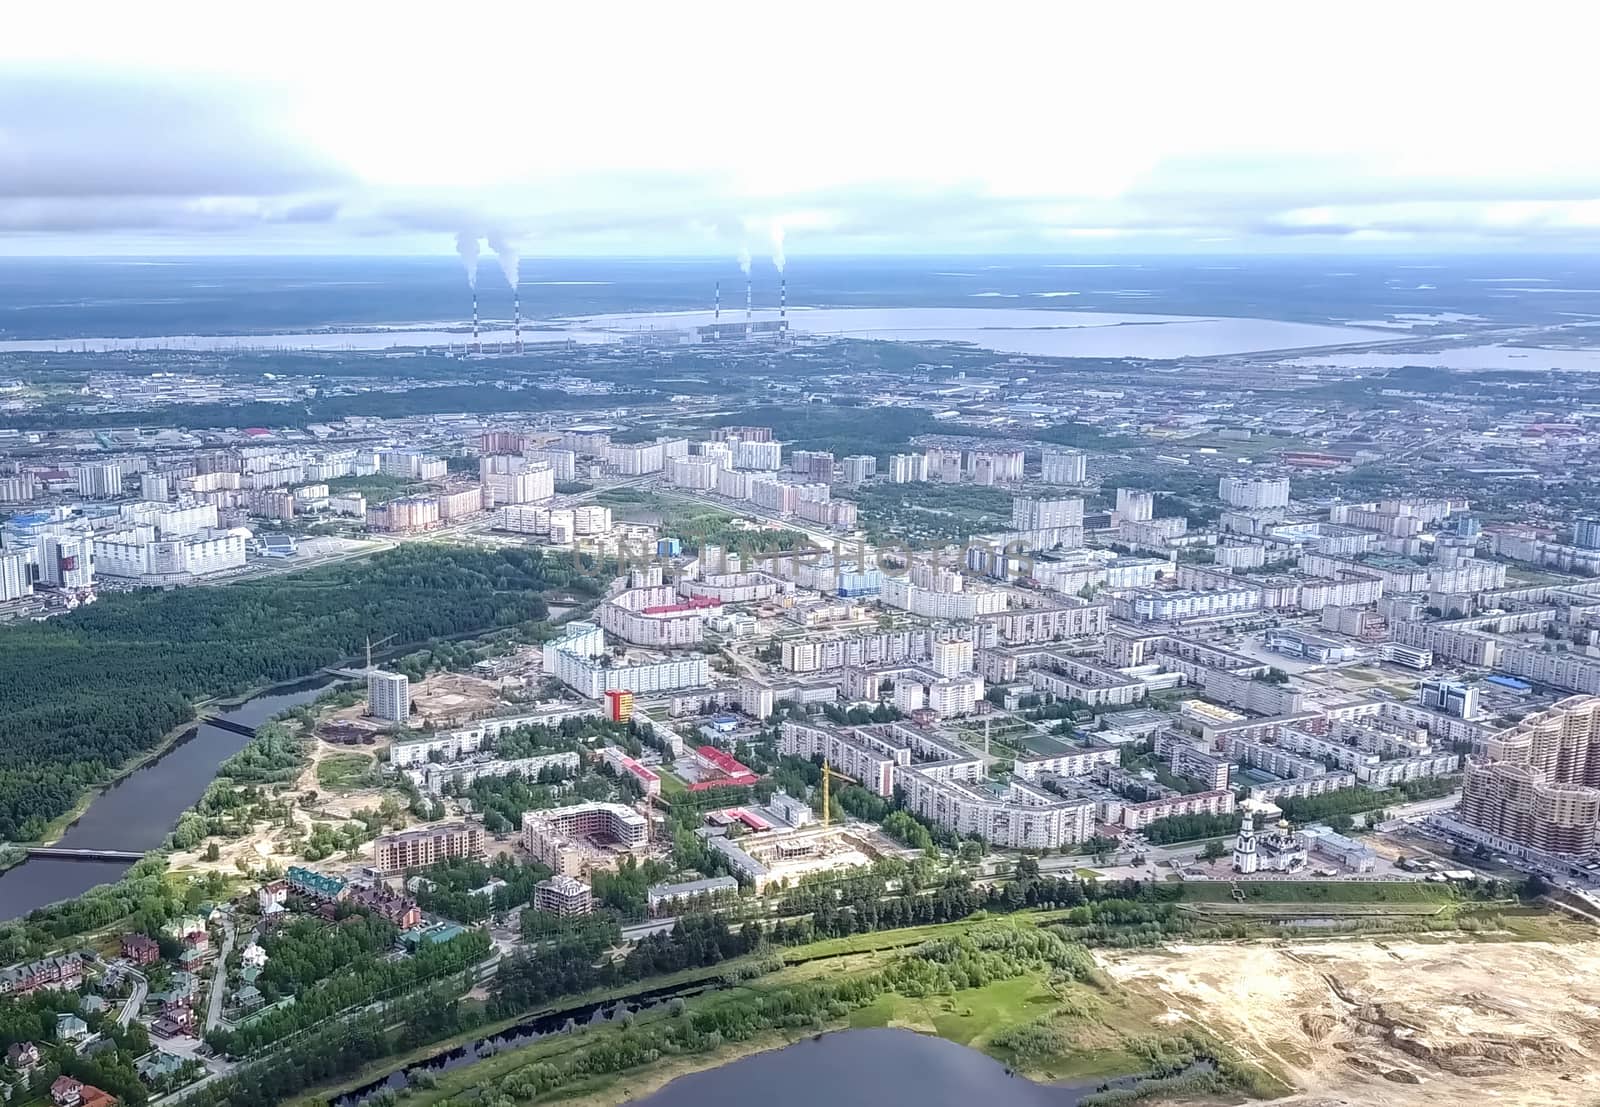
83,694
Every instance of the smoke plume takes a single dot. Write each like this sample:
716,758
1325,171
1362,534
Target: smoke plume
505,252
467,247
744,260
778,260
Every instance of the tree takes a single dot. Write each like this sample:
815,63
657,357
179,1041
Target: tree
1213,850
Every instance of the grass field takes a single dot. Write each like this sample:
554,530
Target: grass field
1320,892
671,783
342,771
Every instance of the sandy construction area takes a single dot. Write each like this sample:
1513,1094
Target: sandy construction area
1395,1023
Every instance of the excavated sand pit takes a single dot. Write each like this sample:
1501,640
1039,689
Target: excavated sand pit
1358,1024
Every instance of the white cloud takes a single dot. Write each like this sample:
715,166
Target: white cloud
656,127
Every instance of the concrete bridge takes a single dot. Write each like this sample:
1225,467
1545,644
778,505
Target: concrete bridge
60,853
228,724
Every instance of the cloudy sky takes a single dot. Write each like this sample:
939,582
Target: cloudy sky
860,127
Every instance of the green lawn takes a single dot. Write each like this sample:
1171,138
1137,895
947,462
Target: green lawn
671,783
342,771
378,488
1320,891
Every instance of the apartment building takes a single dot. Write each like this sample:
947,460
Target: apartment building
579,659
584,835
424,846
1137,816
658,616
908,468
1254,494
1064,467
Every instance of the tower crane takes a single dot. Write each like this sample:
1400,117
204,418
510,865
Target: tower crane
828,773
379,642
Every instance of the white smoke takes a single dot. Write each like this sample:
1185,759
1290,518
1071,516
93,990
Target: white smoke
505,252
778,260
744,259
467,247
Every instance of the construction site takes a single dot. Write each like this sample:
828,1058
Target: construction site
1392,1023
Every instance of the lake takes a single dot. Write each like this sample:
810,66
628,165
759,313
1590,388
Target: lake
138,811
871,1068
1036,331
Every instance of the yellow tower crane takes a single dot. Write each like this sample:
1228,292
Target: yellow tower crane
829,772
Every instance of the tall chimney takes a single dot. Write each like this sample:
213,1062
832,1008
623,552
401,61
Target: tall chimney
516,316
716,315
477,347
783,297
749,297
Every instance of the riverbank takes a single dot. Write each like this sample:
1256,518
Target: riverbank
1020,995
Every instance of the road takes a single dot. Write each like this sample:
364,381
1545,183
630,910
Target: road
1402,811
219,979
135,1003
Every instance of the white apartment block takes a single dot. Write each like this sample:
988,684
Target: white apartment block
908,468
582,521
1137,816
529,482
952,657
1065,467
1066,677
774,495
946,697
1252,493
1134,506
1152,605
100,481
563,463
155,486
758,455
579,659
994,466
694,472
17,490
1030,514
433,777
1023,625
1076,763
136,554
16,575
388,696
1017,816
930,603
733,484
657,617
854,752
943,783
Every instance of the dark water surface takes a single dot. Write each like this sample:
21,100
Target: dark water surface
871,1068
138,811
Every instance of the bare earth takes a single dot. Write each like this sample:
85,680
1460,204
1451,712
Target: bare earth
1397,1023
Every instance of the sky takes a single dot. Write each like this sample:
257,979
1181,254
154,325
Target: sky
849,128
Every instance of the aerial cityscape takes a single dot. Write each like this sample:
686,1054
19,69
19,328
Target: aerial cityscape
634,623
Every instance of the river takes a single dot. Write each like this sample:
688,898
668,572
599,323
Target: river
138,811
872,1068
843,1068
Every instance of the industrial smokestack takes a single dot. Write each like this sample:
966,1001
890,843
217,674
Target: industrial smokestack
778,263
744,264
716,315
505,252
477,347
